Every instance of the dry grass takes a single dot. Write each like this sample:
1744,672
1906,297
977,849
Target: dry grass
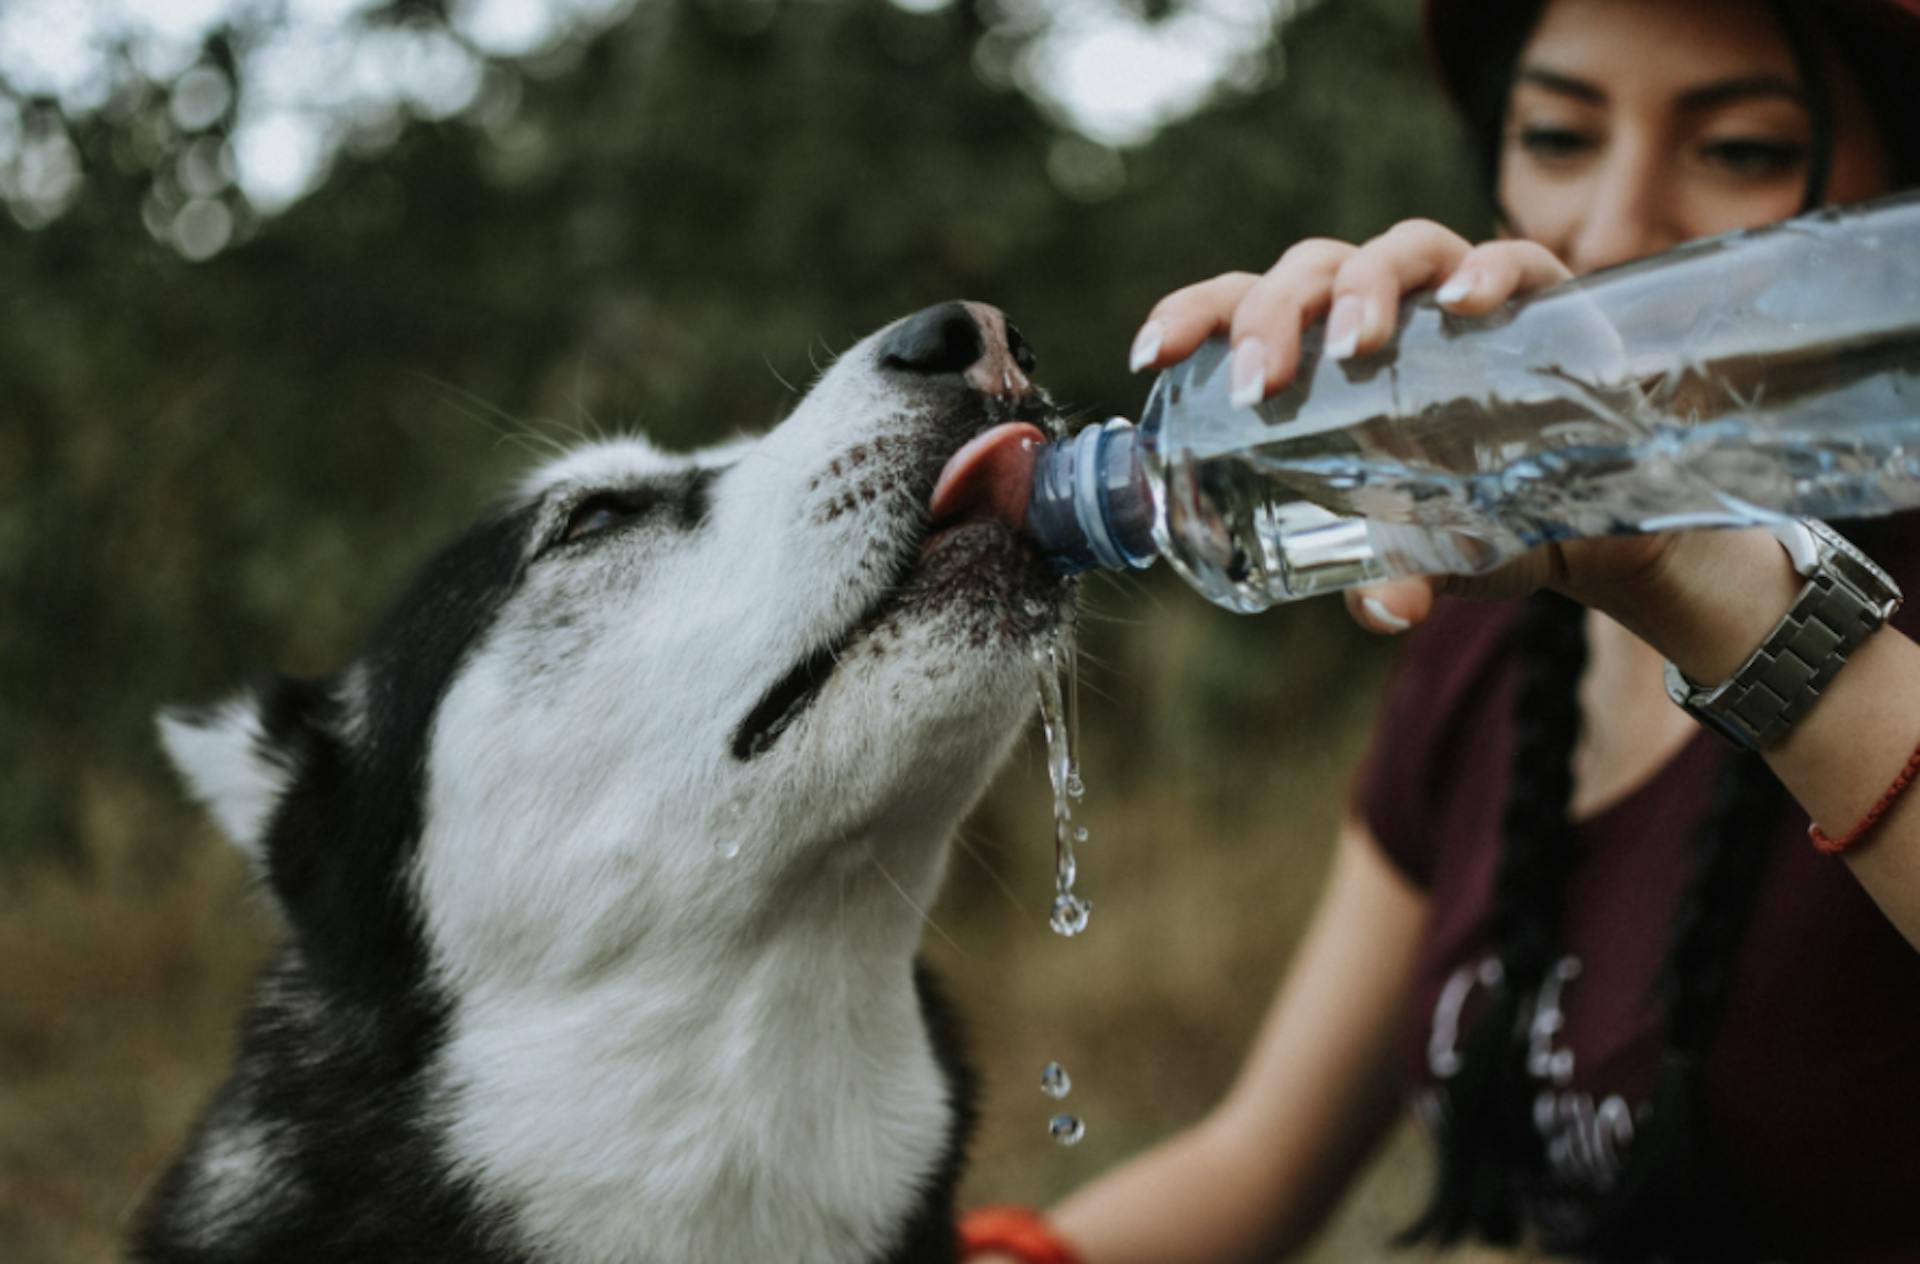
1197,906
120,990
115,1019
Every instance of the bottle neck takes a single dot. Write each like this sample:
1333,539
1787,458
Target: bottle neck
1091,506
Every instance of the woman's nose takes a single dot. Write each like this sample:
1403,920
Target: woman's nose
1630,215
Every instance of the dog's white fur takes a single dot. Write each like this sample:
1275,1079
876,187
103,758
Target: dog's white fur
684,1023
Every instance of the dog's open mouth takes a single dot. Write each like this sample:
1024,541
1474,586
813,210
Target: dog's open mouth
989,478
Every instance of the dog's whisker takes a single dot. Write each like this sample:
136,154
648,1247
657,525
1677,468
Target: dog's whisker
577,433
902,891
473,408
1095,660
1092,612
1098,692
768,361
965,844
571,719
579,400
524,443
1132,585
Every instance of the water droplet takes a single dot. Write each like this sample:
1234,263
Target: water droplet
732,826
1054,1081
1070,914
1066,1129
1057,719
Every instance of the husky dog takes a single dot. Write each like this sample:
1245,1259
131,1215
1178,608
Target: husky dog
602,863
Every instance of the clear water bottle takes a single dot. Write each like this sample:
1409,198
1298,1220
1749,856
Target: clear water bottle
1730,382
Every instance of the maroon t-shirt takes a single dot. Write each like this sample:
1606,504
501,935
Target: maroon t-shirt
1810,1085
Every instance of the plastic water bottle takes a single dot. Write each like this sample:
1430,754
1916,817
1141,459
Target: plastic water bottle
1730,382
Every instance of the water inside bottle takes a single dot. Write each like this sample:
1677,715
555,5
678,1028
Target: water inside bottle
1471,479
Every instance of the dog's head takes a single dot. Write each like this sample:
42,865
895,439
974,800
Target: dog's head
659,695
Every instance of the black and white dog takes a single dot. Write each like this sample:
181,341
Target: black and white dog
602,864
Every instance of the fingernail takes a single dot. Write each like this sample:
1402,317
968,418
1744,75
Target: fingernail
1249,376
1383,616
1146,346
1343,328
1463,283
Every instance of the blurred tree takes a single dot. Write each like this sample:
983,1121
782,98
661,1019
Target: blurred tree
208,468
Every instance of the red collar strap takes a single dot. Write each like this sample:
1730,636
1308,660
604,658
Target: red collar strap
1016,1231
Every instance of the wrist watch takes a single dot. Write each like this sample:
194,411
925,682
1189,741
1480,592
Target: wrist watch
1844,601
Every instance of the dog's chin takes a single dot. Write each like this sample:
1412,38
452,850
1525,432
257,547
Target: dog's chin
973,591
987,585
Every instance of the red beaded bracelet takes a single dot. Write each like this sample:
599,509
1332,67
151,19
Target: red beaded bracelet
1834,846
1016,1231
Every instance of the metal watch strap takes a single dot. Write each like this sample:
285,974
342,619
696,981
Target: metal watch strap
1844,601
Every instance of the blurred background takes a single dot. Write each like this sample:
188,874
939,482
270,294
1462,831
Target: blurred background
290,288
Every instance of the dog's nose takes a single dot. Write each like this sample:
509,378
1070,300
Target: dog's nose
969,340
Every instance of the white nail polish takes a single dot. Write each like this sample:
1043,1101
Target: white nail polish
1383,616
1146,346
1249,376
1459,287
1343,329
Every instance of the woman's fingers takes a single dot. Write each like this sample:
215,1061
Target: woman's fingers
1266,326
1357,289
1393,606
1186,318
1490,274
1398,604
1367,290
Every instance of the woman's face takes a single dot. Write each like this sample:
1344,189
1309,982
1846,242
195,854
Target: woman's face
1635,125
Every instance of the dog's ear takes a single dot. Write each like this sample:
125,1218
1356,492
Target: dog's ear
232,763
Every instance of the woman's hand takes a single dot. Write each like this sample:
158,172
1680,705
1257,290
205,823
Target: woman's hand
1358,290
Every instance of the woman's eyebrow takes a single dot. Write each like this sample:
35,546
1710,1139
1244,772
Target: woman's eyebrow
1723,91
1564,84
1705,96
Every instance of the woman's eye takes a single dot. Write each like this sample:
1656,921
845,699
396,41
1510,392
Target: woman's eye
1552,143
1747,157
599,513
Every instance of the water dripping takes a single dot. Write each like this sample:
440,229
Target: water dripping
1070,913
1054,1081
1059,719
1066,1129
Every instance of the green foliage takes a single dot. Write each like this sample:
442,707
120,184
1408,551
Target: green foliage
209,470
216,468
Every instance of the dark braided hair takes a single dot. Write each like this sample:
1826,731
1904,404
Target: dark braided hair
1664,1200
1491,1155
1486,1130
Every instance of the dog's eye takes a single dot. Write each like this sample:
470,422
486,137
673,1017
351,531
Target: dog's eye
602,512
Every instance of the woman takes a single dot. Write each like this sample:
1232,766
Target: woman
1645,1018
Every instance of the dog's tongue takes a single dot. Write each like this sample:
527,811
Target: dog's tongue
991,477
